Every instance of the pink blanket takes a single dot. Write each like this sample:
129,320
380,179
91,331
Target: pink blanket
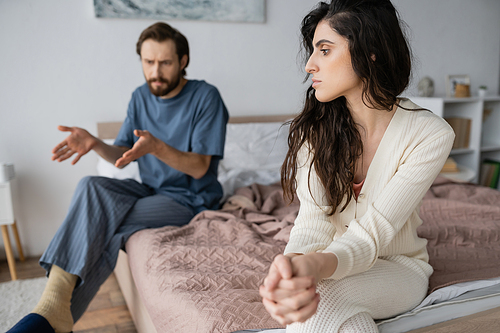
204,277
462,225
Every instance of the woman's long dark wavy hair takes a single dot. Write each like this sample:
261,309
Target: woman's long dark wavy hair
373,31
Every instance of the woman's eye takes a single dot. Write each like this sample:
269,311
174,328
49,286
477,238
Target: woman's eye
324,51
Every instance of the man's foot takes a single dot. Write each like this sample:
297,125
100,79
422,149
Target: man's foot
55,303
32,323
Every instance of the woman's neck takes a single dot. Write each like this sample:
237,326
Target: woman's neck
369,120
372,124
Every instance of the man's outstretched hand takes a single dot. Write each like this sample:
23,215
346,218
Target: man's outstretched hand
146,144
79,142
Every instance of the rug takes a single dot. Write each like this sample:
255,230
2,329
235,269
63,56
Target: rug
17,299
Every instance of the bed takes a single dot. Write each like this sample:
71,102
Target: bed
204,277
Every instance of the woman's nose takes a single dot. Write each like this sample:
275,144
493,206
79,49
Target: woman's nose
311,66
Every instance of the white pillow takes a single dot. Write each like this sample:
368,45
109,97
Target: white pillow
254,153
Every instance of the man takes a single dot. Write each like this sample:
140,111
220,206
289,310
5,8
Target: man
175,128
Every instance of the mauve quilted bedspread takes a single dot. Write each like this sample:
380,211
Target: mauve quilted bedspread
204,277
462,225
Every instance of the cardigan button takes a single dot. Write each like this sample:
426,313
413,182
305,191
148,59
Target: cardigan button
361,195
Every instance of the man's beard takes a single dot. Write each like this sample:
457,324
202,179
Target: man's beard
159,91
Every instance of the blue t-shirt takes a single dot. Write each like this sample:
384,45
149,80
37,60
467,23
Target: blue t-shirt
192,121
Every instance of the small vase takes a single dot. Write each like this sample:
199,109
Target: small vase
482,92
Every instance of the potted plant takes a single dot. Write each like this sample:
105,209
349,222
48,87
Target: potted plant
482,91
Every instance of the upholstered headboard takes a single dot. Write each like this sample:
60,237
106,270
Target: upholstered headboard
109,130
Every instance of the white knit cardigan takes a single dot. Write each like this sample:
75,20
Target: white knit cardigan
383,221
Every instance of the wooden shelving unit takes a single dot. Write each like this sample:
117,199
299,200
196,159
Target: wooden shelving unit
484,141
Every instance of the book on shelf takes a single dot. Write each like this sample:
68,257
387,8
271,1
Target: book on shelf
486,113
461,127
490,173
450,166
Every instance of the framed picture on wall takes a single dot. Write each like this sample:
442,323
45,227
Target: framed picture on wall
206,10
453,80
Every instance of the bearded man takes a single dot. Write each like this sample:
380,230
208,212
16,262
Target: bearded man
175,128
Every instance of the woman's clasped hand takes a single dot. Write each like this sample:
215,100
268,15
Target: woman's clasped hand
289,290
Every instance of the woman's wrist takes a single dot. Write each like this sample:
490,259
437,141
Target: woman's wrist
326,264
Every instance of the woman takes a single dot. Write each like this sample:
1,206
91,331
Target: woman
360,160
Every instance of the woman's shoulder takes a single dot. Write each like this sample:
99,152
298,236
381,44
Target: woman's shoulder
421,119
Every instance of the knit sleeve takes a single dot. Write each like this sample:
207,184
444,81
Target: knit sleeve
312,230
359,247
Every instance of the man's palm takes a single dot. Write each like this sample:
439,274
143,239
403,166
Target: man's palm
79,142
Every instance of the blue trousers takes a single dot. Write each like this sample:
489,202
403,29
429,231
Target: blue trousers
103,214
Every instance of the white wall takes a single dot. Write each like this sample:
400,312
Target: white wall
454,37
61,65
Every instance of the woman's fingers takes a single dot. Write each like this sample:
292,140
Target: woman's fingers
270,307
280,269
273,277
301,309
291,288
297,283
304,313
286,298
299,300
287,302
277,295
284,266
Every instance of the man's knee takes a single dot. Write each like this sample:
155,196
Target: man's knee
90,182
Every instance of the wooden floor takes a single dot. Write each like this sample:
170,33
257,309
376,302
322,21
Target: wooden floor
107,313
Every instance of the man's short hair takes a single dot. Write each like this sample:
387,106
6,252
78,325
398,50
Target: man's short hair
161,32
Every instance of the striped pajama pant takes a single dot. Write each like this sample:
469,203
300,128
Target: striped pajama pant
103,214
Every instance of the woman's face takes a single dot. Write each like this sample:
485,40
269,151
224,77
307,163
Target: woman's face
330,65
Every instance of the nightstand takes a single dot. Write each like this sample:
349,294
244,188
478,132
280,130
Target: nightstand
6,219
